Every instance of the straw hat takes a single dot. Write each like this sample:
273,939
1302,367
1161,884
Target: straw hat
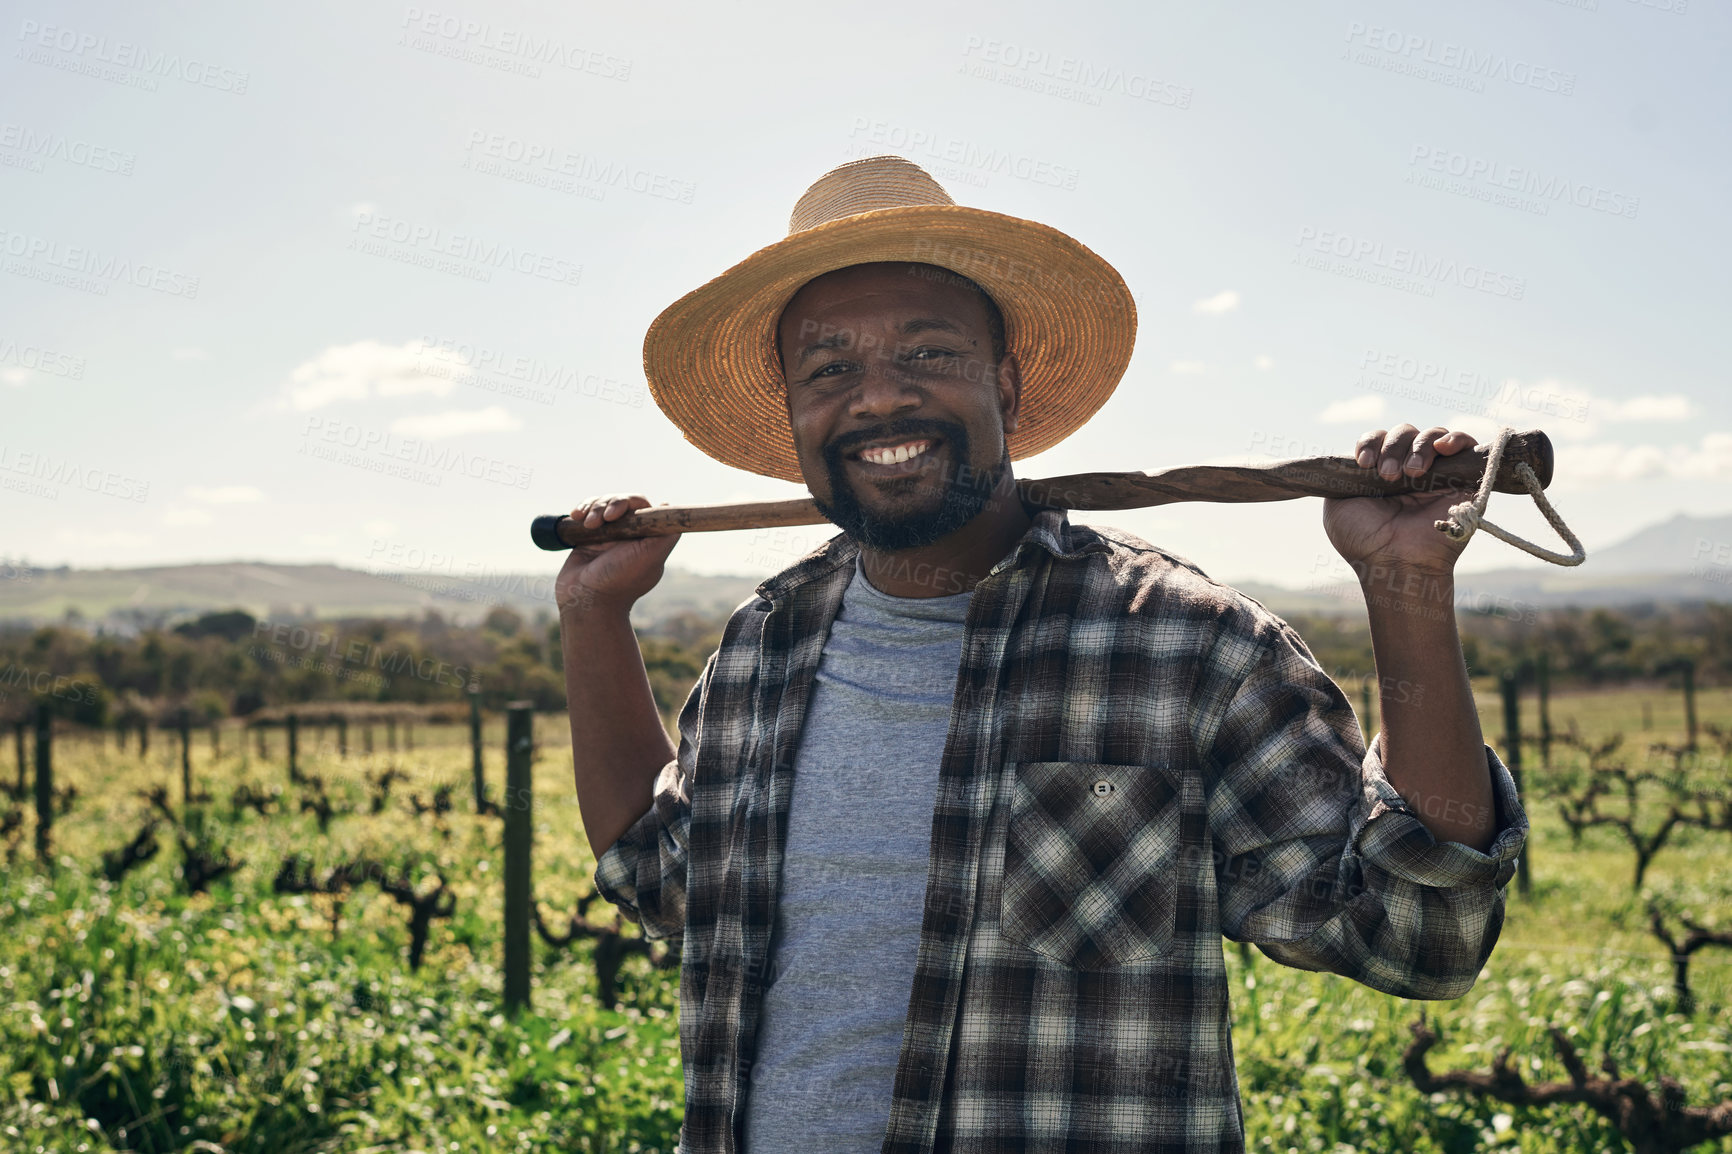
711,360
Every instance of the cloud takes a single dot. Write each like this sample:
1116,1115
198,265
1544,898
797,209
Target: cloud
1188,368
1586,466
1354,411
1263,362
180,515
15,377
456,422
361,370
1222,302
1567,412
224,494
1711,459
1671,407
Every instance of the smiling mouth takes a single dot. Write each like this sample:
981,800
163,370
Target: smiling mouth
898,453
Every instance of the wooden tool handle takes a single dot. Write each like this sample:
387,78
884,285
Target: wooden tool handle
1283,481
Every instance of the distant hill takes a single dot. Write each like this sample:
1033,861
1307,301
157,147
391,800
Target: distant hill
1680,545
1672,561
128,599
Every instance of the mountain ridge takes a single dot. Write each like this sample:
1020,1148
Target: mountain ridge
1681,559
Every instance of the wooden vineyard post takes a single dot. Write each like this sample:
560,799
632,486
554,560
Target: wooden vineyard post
143,738
342,737
294,724
367,736
391,734
1512,740
519,838
44,779
1365,696
216,734
1543,671
183,722
259,735
18,741
408,735
475,762
1688,666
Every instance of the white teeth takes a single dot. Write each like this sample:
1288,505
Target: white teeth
894,456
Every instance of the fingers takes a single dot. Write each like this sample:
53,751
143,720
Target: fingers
1389,451
1365,448
610,508
1452,443
1424,451
1405,449
1396,446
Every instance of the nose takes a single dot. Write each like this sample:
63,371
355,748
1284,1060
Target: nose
883,391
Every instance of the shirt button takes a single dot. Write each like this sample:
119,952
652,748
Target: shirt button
1103,787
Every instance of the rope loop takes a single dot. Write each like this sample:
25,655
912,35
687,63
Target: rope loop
1468,517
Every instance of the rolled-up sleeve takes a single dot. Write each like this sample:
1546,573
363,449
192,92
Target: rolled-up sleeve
644,872
1319,860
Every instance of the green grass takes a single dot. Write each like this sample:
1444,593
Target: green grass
135,1017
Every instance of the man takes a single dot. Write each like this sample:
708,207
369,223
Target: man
967,798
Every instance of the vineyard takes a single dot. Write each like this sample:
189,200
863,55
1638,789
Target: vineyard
227,951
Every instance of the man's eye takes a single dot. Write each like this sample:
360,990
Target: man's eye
930,354
833,369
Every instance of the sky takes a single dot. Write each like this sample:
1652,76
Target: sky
367,282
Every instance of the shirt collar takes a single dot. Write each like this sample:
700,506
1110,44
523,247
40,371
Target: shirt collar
1051,530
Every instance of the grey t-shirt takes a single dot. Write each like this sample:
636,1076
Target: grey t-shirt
854,874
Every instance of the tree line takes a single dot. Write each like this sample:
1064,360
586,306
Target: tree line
232,664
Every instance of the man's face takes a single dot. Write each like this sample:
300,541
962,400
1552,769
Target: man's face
898,409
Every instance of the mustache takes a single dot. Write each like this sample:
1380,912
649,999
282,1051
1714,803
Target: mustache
910,427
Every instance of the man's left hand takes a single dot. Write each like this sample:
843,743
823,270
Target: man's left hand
1398,533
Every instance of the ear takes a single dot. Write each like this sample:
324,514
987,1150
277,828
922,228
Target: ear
1009,391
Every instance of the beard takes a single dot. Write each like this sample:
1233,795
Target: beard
962,500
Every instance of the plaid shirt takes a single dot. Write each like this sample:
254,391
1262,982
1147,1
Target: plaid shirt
1140,761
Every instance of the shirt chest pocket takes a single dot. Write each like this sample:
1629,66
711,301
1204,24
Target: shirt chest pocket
1089,862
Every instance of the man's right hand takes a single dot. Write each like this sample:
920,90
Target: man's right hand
612,574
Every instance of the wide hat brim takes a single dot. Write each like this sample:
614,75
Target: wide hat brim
711,362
